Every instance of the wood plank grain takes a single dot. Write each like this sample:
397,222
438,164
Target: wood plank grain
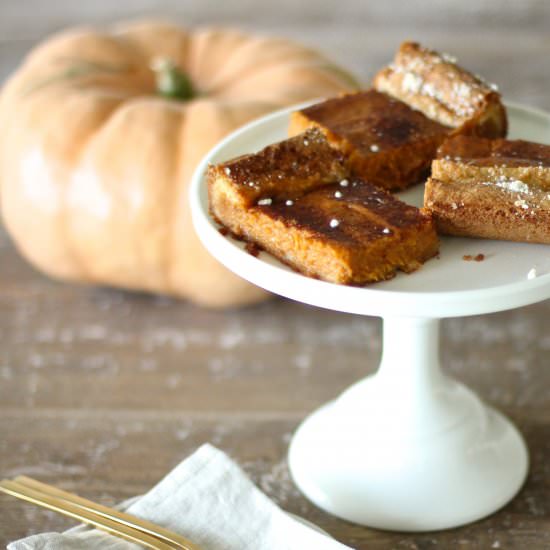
137,352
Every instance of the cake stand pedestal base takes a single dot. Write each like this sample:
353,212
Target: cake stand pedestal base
408,449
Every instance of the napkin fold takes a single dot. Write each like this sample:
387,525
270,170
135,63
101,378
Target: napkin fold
211,501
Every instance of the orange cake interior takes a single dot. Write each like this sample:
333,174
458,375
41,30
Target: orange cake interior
306,211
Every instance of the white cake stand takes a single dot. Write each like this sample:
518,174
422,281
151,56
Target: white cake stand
407,448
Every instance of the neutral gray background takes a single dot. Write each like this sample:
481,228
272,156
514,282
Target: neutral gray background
102,391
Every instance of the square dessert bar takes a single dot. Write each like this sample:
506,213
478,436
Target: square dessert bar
495,189
283,170
306,212
391,133
386,141
445,92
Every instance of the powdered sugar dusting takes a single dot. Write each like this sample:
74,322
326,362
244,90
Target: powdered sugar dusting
516,186
521,203
411,83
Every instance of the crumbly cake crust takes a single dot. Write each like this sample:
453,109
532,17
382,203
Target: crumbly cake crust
434,84
496,189
288,168
464,157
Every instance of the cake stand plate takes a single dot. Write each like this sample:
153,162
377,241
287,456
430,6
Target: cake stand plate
407,448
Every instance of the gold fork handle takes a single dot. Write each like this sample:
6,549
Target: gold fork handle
109,513
67,509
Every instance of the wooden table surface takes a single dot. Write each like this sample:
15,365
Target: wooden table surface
102,392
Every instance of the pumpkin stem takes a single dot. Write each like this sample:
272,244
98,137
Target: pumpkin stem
172,82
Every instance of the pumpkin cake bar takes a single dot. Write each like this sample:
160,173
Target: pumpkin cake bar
391,133
387,142
434,84
306,212
495,189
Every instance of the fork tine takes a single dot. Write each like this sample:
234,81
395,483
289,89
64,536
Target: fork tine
66,508
115,515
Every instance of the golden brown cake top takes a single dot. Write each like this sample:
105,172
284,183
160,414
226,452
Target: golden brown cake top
350,212
497,152
372,121
517,166
288,168
433,83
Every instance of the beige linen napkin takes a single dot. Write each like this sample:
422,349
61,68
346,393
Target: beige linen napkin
211,501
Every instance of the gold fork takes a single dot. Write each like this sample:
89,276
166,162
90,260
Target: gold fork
112,521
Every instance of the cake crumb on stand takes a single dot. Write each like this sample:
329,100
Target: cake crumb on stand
477,258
